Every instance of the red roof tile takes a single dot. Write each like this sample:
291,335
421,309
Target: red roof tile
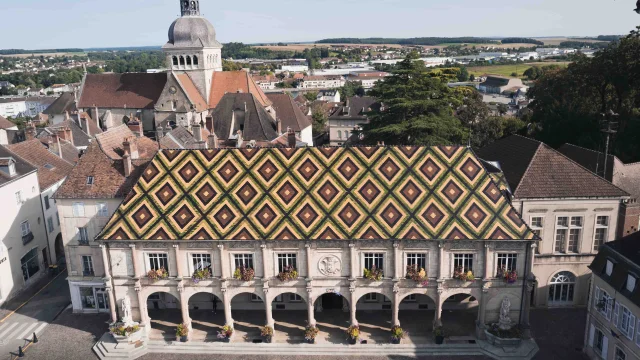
232,82
51,168
131,90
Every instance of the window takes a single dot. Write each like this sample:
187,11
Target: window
575,231
536,225
158,261
30,264
602,302
88,299
103,211
87,266
373,259
600,235
609,269
188,60
195,60
371,297
600,343
19,197
181,60
89,180
561,288
175,60
78,209
201,262
562,226
83,236
46,202
619,355
339,134
255,298
286,260
25,228
631,283
58,218
420,260
624,320
410,298
50,224
295,298
465,261
507,261
245,260
278,299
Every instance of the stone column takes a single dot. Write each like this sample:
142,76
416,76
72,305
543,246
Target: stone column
526,303
437,320
224,262
487,257
352,302
311,320
532,257
105,262
184,306
482,310
142,305
179,267
226,301
265,267
440,260
308,254
137,269
268,308
397,261
396,305
354,261
112,303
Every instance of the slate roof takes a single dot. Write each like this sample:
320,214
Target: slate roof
22,167
66,102
288,112
535,170
224,82
355,106
80,138
181,138
111,143
625,254
6,124
130,90
315,193
37,155
258,124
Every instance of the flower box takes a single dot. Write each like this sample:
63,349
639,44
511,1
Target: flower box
200,275
160,274
373,274
244,273
126,334
288,273
463,274
509,276
419,275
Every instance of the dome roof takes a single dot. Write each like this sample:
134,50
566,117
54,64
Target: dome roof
192,31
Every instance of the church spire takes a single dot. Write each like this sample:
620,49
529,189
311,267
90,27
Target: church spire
190,7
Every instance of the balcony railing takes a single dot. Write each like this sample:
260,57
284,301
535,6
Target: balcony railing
27,238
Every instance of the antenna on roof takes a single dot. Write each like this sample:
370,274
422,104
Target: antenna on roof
608,126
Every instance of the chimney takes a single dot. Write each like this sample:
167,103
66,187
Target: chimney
197,131
57,147
208,123
128,166
135,126
87,129
96,116
159,132
30,131
66,116
68,135
291,138
279,124
239,139
212,141
131,147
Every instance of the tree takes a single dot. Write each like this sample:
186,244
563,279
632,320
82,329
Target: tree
502,109
472,77
311,95
351,88
463,75
418,109
230,66
319,119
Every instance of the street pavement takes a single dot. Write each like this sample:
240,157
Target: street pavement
31,312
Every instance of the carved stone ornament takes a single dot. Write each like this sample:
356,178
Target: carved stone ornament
155,245
462,245
199,245
241,245
509,245
330,265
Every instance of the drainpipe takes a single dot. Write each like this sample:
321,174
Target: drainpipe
524,280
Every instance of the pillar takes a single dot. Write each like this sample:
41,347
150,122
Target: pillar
184,306
526,303
226,301
353,302
396,306
105,262
397,261
482,311
265,266
142,305
137,269
224,262
179,265
308,254
268,308
487,256
112,304
437,319
353,260
311,320
440,260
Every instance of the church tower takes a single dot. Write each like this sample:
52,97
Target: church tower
193,48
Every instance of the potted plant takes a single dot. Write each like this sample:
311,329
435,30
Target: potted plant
267,333
155,275
182,332
200,274
463,274
244,273
373,274
310,333
353,333
225,334
397,334
512,277
124,334
419,275
288,273
439,333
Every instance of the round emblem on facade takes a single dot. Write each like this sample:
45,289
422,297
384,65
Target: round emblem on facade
330,265
173,90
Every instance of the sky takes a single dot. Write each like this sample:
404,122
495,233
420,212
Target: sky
47,24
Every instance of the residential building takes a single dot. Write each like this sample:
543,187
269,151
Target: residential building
332,214
58,110
499,85
613,314
36,105
267,82
344,119
8,131
295,68
289,116
547,52
625,176
12,107
329,95
321,82
24,252
571,209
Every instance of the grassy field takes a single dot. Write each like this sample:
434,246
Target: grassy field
507,70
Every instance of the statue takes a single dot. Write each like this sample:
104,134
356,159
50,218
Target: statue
126,311
505,322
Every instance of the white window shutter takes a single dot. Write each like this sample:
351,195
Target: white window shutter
632,324
608,308
616,312
592,331
596,298
605,346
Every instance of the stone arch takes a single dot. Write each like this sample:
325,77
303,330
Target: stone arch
274,292
463,313
561,270
562,286
242,290
163,313
417,291
175,60
361,292
188,60
181,60
194,291
195,60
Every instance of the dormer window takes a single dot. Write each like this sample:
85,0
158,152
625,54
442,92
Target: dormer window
609,268
631,282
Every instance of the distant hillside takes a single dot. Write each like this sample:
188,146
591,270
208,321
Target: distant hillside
408,41
517,40
45,51
130,48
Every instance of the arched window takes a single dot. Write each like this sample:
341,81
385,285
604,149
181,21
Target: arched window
339,134
188,60
175,60
181,60
195,60
561,288
346,134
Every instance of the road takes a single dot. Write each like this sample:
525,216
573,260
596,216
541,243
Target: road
31,312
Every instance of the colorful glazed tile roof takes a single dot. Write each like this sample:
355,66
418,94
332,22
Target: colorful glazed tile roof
316,193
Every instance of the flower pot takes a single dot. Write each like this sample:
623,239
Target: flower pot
225,339
311,341
439,340
183,338
353,341
395,341
267,339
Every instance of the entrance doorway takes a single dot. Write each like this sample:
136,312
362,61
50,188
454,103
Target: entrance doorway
332,302
102,300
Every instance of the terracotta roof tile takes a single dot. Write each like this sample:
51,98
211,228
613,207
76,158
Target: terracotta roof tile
111,143
6,124
289,113
130,90
192,92
233,81
51,168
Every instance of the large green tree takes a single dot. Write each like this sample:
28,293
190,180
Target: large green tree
418,109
